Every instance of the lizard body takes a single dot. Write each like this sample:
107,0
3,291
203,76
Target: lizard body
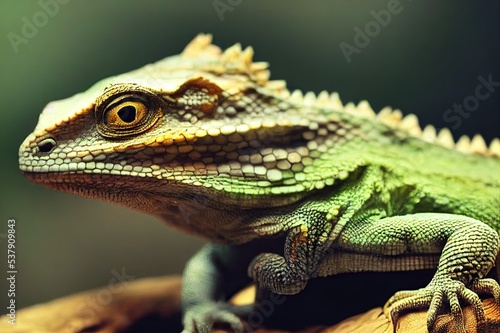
206,142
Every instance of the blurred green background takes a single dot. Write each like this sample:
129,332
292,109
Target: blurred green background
426,59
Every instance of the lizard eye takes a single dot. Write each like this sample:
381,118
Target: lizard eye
127,115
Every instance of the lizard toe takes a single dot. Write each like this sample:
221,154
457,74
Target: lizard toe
437,296
202,318
405,301
487,286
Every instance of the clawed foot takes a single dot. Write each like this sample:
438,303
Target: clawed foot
202,318
440,293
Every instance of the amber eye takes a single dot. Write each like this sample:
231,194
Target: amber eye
128,114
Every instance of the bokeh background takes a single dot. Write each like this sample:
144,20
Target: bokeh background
424,61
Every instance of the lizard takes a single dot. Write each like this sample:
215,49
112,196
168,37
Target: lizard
206,142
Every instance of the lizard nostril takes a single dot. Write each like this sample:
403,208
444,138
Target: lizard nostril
46,145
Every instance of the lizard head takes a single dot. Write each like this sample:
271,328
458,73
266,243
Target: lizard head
205,126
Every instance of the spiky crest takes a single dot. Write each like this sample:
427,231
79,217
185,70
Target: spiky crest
241,60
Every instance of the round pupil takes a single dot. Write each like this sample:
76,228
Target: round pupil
127,114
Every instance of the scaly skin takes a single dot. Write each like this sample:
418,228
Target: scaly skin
207,143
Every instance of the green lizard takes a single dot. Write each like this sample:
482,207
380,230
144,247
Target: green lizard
206,142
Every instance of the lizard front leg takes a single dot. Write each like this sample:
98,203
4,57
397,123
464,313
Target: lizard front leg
313,228
469,249
305,246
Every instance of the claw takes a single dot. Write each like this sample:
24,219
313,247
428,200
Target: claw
487,286
406,300
202,318
437,294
